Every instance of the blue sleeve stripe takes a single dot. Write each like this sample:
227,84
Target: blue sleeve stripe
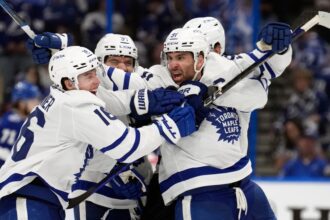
133,149
270,70
253,57
219,80
127,80
16,177
109,73
107,191
200,171
116,143
260,81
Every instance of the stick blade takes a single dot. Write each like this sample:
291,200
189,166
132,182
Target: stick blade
324,19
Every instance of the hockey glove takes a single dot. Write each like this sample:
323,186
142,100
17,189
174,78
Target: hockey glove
195,92
39,55
53,40
128,185
155,102
276,35
180,122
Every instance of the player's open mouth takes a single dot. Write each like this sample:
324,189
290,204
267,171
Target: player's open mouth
176,76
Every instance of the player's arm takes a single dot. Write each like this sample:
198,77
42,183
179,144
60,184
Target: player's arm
117,79
95,126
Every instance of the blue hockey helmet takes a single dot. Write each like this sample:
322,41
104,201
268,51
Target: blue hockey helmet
24,91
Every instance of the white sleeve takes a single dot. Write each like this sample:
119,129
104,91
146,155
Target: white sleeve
247,95
117,102
117,79
272,68
157,76
93,125
220,70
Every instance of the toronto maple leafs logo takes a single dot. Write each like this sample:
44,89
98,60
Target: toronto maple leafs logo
227,123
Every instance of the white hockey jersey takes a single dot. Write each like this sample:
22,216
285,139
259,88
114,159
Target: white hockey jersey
217,153
117,103
63,134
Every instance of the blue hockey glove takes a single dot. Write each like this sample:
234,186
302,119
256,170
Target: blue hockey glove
53,40
195,92
155,102
180,122
277,35
39,55
128,185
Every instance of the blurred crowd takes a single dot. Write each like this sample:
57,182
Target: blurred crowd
304,123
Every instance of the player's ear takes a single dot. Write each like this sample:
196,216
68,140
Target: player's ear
67,84
200,61
217,48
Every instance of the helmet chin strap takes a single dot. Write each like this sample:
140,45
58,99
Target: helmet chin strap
196,70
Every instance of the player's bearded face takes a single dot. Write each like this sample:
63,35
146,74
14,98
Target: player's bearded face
89,81
181,66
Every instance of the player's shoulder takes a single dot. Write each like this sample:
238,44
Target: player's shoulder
158,69
76,98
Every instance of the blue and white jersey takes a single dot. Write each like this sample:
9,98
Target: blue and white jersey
10,124
116,79
61,136
217,153
117,102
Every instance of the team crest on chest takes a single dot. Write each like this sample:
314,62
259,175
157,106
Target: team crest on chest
227,123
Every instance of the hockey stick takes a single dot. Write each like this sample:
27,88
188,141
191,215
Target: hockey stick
22,23
76,200
320,18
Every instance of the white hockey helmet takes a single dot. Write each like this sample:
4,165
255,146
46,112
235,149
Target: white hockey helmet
70,63
186,40
211,28
116,45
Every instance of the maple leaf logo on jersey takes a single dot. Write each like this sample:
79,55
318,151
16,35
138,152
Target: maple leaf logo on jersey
227,123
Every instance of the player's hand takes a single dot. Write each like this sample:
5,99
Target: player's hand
53,40
195,92
155,102
130,187
39,55
277,36
180,122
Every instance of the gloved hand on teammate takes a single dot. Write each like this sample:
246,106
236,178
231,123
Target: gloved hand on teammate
195,93
128,185
180,122
277,37
155,102
42,45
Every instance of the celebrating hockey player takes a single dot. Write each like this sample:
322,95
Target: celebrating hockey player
66,130
127,198
210,176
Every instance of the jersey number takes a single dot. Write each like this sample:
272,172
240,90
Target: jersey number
26,136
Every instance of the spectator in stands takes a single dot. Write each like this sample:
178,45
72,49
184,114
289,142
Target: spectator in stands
24,97
305,104
286,150
308,162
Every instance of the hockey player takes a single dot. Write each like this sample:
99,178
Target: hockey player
24,97
37,180
210,176
128,198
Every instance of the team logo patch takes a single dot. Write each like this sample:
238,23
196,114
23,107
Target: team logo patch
227,123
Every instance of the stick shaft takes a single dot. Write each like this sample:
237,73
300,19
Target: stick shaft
25,27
